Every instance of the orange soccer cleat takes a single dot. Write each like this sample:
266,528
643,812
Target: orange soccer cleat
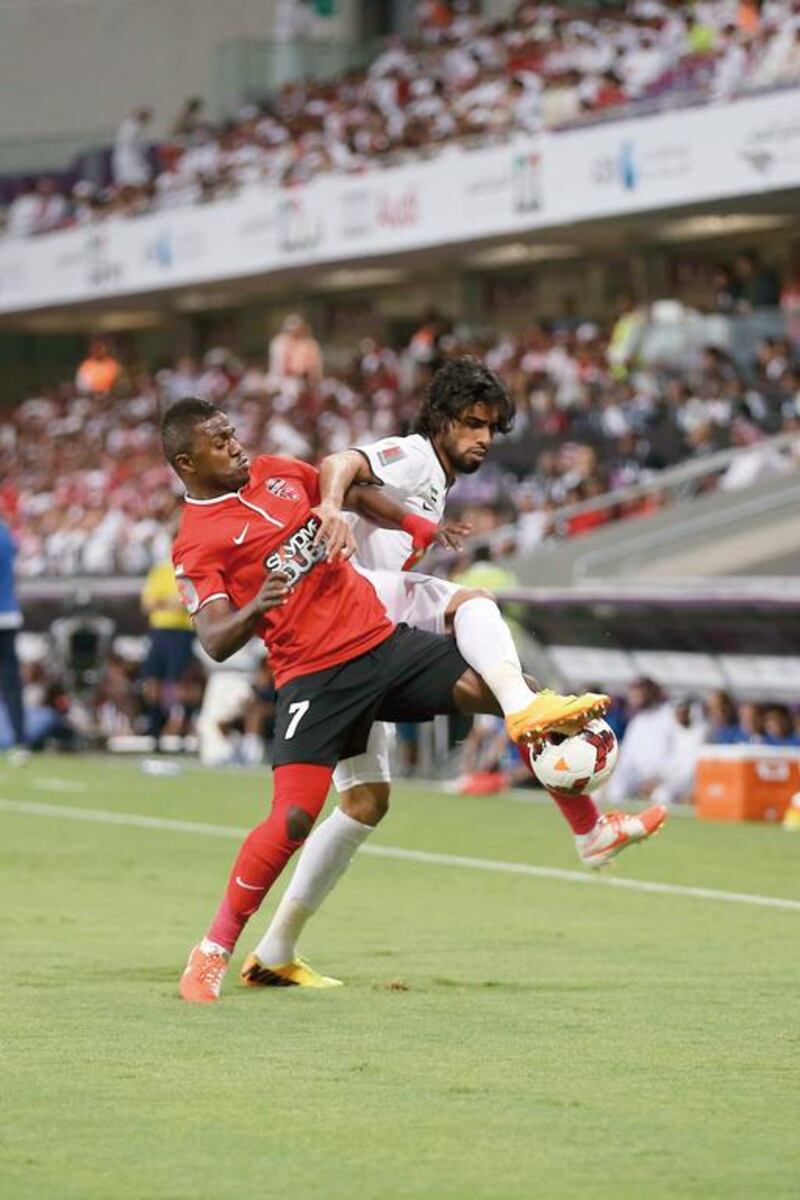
202,979
549,712
615,831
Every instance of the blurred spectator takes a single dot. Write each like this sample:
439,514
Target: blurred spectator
755,285
50,208
294,353
251,729
723,724
47,710
646,753
489,761
778,727
677,784
189,119
10,622
129,162
99,371
21,214
171,644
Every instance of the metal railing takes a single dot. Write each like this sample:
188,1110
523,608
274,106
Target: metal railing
670,485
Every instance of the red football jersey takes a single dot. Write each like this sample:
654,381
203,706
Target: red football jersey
226,546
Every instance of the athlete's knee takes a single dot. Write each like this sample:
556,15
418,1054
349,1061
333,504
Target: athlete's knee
298,823
300,791
366,802
461,597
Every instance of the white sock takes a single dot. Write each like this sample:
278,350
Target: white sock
209,947
486,643
324,859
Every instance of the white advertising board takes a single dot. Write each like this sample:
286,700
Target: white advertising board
460,196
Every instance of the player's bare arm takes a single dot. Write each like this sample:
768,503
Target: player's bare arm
338,474
223,629
345,480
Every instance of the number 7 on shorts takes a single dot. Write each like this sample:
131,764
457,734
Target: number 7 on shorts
296,711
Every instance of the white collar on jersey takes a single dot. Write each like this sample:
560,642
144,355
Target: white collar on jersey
214,499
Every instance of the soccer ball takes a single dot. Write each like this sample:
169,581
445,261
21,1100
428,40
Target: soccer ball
581,763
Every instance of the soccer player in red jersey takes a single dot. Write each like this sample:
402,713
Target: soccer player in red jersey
259,552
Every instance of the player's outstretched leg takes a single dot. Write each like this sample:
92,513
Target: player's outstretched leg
599,837
615,831
300,792
485,642
325,858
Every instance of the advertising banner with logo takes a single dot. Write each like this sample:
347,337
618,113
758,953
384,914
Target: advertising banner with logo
674,159
460,196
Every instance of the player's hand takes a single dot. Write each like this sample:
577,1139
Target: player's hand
452,533
334,531
273,592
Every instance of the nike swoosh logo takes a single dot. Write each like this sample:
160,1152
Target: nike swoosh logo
250,886
237,541
428,507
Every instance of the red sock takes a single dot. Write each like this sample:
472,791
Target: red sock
580,812
300,791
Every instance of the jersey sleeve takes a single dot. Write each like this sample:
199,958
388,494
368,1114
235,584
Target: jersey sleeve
397,463
199,578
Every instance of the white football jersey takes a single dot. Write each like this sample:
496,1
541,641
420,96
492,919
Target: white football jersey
412,475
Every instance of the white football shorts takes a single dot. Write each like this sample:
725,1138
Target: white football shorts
411,599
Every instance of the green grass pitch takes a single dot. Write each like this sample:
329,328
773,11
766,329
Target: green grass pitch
499,1036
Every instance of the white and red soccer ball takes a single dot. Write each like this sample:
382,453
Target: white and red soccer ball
577,764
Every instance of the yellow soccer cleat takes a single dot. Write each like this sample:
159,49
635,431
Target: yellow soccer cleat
296,973
549,712
791,820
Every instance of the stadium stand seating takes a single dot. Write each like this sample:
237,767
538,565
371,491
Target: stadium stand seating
88,493
461,78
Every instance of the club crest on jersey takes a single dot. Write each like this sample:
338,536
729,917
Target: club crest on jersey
298,555
279,487
390,454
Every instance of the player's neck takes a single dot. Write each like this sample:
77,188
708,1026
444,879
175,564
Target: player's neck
444,462
207,491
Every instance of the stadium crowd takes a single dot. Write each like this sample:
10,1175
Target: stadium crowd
461,78
86,490
660,735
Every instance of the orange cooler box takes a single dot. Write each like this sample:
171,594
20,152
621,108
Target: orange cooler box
746,783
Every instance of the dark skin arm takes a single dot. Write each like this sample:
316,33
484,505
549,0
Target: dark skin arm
223,629
341,480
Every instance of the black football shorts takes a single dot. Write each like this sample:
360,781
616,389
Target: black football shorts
326,716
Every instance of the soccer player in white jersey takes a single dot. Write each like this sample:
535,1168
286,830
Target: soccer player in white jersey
466,406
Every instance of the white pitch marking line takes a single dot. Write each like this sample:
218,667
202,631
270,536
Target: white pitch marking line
51,784
103,817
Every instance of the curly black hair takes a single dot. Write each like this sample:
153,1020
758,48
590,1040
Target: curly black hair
457,386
